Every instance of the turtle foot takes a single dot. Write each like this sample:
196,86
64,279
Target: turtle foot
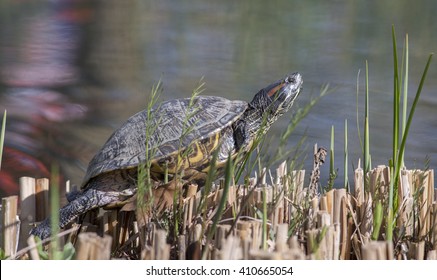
43,230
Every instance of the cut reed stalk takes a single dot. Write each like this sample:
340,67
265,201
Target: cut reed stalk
10,225
90,246
28,211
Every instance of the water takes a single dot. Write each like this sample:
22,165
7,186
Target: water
73,71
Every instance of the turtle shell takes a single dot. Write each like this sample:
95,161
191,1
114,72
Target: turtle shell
201,122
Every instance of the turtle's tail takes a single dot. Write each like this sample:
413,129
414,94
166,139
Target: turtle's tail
90,199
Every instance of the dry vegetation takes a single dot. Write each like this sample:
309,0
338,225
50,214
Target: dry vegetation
272,217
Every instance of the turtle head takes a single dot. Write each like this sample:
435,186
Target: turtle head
276,99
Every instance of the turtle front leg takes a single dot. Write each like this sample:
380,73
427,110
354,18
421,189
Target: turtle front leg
90,199
241,135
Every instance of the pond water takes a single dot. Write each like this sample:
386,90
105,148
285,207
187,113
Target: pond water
73,71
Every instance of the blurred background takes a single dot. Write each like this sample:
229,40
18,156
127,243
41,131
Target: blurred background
72,71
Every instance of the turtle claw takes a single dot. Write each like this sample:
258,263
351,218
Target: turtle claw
43,230
72,195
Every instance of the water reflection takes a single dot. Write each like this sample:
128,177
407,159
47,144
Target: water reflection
72,71
39,67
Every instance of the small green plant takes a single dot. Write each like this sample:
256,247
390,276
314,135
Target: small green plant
55,252
399,150
67,253
317,240
188,125
2,254
145,185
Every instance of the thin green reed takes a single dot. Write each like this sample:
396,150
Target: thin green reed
144,176
405,93
229,173
398,151
346,161
2,137
332,171
54,209
366,151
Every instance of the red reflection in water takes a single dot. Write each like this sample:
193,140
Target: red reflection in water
38,67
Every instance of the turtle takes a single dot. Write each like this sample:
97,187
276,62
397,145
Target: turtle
197,127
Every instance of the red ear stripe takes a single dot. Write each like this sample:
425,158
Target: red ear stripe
275,90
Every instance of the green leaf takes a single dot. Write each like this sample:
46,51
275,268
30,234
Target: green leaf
68,252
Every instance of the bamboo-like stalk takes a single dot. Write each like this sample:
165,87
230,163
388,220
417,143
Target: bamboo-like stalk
417,250
337,242
424,207
9,238
182,248
346,234
431,194
264,217
339,194
162,249
28,211
231,249
374,250
366,217
90,246
323,219
359,185
42,199
281,238
405,187
263,255
390,250
432,255
324,204
330,200
344,231
33,253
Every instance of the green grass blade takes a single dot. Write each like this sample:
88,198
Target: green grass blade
144,177
396,98
54,209
229,172
2,138
208,183
405,94
346,163
411,114
332,173
356,105
377,220
331,162
366,155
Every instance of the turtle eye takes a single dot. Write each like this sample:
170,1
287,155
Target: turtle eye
290,80
274,90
